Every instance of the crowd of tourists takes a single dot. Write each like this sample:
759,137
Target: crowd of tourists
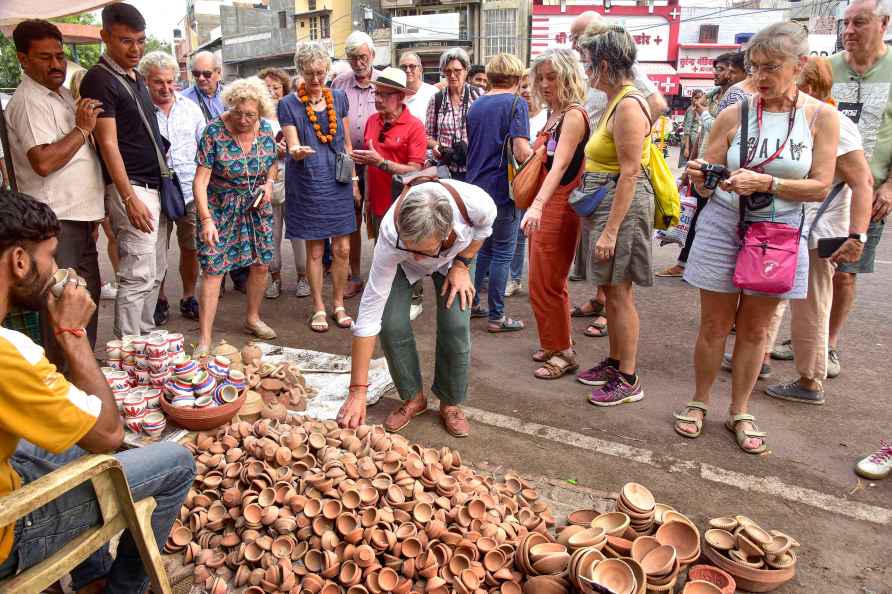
788,151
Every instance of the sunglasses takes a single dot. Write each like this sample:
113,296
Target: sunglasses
202,73
384,129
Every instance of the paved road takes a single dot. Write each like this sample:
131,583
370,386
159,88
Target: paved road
548,431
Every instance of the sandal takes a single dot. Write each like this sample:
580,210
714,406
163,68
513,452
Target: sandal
506,324
260,330
318,322
556,367
596,329
597,310
684,418
741,435
343,321
541,356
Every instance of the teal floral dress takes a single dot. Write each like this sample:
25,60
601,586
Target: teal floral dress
246,234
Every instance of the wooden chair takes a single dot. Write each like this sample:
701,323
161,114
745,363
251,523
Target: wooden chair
118,510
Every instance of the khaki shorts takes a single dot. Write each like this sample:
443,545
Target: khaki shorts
186,229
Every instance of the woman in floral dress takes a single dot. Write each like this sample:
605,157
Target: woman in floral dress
233,187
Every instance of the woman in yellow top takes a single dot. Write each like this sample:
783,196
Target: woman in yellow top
622,224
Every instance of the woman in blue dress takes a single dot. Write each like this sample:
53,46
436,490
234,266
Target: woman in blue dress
317,205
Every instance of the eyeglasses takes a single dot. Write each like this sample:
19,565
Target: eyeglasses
243,115
320,75
443,248
359,57
202,73
384,129
453,72
409,66
764,68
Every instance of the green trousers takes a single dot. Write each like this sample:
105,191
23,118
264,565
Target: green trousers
453,343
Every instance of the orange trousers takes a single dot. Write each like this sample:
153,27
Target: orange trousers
552,248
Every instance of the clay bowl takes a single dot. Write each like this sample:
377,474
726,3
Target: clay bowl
748,547
720,539
748,578
726,523
616,575
565,534
642,546
582,517
586,562
779,545
757,535
659,510
544,584
590,537
793,542
202,419
542,550
674,516
640,578
742,558
701,587
552,564
682,536
638,498
614,523
623,546
659,561
783,561
713,575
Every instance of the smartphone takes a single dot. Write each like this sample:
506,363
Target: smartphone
827,247
258,196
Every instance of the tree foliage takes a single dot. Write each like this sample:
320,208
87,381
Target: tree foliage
84,54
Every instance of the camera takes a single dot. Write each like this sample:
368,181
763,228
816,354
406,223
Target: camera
455,155
713,174
759,200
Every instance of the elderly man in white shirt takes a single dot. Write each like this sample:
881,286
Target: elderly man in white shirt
54,158
181,123
434,229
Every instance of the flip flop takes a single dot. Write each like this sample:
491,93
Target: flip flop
597,310
683,418
741,435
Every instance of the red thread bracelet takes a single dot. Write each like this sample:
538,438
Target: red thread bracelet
79,332
358,386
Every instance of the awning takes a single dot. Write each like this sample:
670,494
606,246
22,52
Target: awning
689,84
662,74
13,11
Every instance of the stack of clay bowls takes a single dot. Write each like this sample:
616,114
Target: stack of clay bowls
278,384
289,504
637,502
759,560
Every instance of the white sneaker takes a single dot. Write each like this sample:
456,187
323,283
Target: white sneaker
109,291
274,290
513,286
415,310
303,288
878,465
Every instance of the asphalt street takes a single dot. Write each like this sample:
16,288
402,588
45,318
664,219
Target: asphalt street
580,454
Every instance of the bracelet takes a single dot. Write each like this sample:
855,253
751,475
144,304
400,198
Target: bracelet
207,218
358,386
126,199
84,132
78,332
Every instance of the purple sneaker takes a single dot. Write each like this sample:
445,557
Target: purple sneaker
598,375
617,391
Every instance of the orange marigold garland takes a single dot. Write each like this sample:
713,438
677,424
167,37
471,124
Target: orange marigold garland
329,107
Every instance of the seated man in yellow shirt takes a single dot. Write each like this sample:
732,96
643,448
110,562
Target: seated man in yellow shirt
47,420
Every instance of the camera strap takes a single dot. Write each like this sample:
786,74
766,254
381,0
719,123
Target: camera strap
791,121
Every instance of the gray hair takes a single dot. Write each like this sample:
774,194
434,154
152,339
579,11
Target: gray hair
249,89
206,54
880,7
615,47
411,54
785,40
455,53
356,40
158,60
310,52
426,212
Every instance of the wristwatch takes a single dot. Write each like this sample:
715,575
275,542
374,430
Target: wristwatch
463,260
775,185
862,237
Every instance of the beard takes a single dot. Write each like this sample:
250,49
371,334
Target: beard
31,292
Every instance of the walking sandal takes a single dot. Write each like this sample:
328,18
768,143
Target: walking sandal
558,366
597,310
741,435
683,417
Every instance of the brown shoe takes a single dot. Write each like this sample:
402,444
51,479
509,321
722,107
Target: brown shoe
410,409
454,420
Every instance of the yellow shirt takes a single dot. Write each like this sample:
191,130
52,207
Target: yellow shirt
36,404
600,150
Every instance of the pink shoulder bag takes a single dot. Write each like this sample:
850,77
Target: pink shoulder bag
769,251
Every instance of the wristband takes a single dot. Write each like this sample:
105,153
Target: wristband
78,332
358,386
84,132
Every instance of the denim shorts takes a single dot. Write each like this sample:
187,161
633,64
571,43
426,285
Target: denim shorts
713,254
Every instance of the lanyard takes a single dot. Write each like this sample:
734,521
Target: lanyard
791,122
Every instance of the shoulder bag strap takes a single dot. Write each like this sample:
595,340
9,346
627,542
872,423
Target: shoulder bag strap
837,189
204,108
162,163
462,208
744,144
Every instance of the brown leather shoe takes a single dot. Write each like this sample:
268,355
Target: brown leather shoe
410,409
454,420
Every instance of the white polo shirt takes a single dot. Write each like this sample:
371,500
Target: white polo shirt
35,116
